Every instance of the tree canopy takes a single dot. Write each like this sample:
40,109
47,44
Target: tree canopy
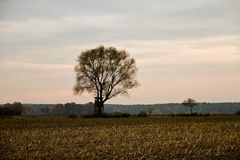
106,72
190,103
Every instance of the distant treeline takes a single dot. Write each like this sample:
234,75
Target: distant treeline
84,109
11,109
58,109
46,109
175,108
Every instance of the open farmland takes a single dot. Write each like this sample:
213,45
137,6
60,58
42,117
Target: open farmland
128,138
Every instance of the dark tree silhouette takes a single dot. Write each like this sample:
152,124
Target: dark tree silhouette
106,72
11,109
190,103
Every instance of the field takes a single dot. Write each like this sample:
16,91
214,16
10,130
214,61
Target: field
213,137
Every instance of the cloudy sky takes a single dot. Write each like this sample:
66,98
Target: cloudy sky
183,48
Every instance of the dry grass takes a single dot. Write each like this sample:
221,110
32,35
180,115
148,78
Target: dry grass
129,138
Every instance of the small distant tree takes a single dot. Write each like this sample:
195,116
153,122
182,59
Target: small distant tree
190,103
106,72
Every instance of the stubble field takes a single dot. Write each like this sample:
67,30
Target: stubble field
214,137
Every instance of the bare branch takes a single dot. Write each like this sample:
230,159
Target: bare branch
107,72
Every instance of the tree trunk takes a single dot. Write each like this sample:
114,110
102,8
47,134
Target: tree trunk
191,109
100,108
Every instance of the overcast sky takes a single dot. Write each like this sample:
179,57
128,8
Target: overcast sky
183,48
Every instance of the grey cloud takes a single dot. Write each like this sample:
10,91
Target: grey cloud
140,19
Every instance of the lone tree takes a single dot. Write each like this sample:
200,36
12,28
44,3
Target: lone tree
106,72
190,103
